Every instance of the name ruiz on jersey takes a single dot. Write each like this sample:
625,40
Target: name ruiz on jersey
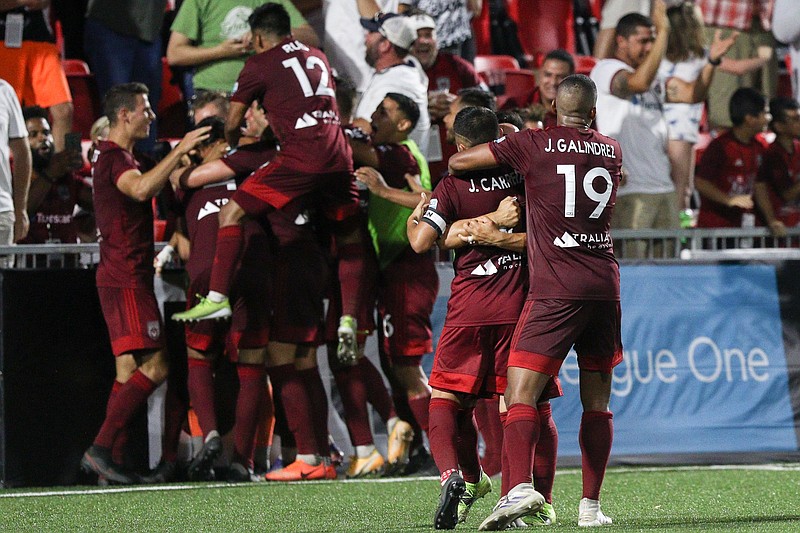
506,181
580,147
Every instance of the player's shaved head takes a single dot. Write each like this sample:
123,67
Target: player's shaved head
576,96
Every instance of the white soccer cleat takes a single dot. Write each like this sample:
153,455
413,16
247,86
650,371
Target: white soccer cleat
590,515
522,500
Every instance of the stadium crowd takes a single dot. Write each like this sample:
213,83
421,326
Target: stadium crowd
321,151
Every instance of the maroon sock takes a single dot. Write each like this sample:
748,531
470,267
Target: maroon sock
377,394
174,417
226,256
354,275
504,473
595,437
201,393
118,448
443,433
419,406
252,389
519,442
296,406
353,392
468,458
318,405
130,397
487,418
544,461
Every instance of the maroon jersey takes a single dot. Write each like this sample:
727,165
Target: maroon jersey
53,221
295,86
571,180
124,225
490,283
449,73
780,170
732,167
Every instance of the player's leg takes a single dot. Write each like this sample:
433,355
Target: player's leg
200,382
252,389
307,369
595,437
443,435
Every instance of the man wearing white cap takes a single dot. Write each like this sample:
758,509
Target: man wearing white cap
388,42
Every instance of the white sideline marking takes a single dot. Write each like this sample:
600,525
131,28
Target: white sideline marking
204,486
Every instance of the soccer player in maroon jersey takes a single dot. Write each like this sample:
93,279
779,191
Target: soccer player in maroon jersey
777,187
294,84
571,178
487,296
125,276
727,170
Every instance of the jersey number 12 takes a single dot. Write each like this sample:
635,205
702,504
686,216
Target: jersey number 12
311,63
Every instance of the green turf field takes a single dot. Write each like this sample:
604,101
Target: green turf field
644,499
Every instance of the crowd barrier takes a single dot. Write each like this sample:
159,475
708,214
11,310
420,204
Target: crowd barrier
712,353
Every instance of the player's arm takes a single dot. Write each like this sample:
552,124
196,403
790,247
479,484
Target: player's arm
377,185
182,52
679,91
233,123
475,158
142,187
364,154
422,235
624,84
505,216
20,184
483,231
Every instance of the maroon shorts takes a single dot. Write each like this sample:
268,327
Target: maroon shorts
474,360
133,319
547,329
407,290
275,185
299,281
250,296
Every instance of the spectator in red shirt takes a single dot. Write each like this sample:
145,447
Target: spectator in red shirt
727,170
777,188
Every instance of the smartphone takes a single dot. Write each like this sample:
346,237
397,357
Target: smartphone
72,141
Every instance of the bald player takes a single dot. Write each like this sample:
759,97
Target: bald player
571,178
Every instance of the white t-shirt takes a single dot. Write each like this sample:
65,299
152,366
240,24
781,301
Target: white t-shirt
639,126
405,79
683,120
12,126
786,27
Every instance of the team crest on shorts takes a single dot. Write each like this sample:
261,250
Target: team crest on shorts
154,329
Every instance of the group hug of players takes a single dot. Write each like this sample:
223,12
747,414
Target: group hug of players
275,223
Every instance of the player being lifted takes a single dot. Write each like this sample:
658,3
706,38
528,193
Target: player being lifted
571,178
294,84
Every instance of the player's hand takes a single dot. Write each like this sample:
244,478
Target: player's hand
21,224
163,257
255,121
439,104
659,16
63,162
719,46
233,48
507,213
372,179
192,139
742,201
419,209
414,183
481,231
777,228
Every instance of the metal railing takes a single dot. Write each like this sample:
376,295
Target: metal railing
629,245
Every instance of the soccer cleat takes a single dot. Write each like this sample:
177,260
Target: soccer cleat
302,471
545,517
518,523
361,467
590,515
98,460
330,470
520,501
399,445
205,310
446,515
347,351
473,493
201,468
239,473
164,472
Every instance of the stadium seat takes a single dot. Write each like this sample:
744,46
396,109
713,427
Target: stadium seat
85,100
492,69
554,27
584,64
520,86
75,66
172,109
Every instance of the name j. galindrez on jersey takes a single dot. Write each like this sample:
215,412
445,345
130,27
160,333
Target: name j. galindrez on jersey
580,147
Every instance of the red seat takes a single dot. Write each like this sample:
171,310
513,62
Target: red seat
75,66
520,87
553,27
85,101
171,111
584,64
492,69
